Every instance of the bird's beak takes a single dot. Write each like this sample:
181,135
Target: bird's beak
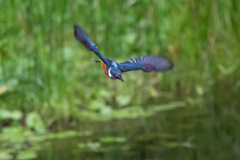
120,78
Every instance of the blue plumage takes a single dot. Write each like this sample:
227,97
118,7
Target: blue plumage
83,38
147,64
113,69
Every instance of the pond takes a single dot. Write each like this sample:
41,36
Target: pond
139,135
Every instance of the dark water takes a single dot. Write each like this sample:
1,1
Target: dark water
145,138
68,149
187,132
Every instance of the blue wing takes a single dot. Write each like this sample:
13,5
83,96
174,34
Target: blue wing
146,64
83,38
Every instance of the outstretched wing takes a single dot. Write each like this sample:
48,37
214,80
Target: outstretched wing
83,38
147,64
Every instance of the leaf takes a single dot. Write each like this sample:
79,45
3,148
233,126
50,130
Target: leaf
195,101
5,155
13,133
129,112
169,106
106,111
16,115
63,135
82,145
28,154
96,105
178,144
112,139
129,3
12,83
105,94
68,54
93,146
34,121
130,38
199,90
226,71
153,92
12,130
123,100
6,114
3,89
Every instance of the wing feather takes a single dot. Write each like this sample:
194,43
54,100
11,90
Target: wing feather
147,64
83,38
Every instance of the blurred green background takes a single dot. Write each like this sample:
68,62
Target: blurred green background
56,103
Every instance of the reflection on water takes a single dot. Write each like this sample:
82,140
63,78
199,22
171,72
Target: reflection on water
145,138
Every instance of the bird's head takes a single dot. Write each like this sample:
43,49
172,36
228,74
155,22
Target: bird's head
116,73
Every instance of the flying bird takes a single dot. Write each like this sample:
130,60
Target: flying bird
113,69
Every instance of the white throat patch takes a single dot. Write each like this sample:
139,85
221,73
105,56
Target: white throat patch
109,74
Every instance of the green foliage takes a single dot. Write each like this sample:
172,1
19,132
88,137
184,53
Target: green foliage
92,146
123,100
6,114
5,155
34,121
26,155
112,139
49,84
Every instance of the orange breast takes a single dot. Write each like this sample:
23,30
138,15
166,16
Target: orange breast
104,68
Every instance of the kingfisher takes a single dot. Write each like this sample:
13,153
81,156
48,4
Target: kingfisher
113,69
